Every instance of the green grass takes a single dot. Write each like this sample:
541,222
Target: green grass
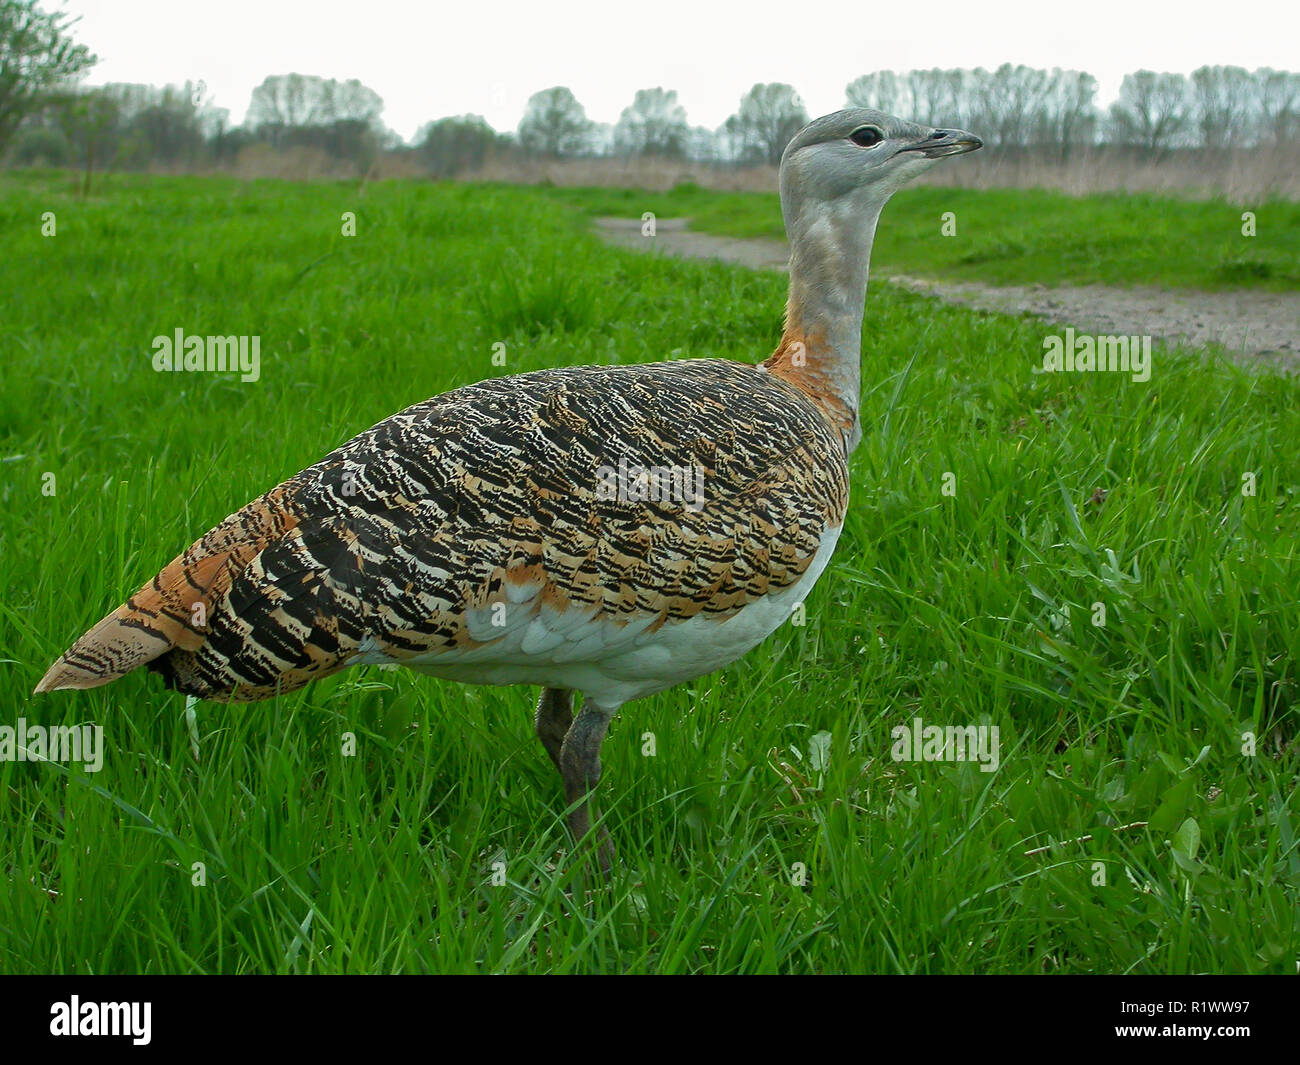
1023,236
974,606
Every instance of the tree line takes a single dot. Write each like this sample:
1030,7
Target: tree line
1026,107
47,117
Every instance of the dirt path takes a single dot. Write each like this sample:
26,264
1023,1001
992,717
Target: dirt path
1256,326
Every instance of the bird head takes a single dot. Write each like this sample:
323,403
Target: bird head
858,158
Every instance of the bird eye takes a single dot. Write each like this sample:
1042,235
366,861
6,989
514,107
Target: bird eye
866,136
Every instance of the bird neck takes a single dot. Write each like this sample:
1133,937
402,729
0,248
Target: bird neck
821,346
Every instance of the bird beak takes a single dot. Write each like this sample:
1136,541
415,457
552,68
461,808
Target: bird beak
943,142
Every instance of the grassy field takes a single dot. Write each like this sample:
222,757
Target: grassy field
1143,817
1022,236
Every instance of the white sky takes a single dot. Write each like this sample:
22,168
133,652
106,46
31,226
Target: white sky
432,59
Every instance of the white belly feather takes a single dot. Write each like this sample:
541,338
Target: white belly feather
609,662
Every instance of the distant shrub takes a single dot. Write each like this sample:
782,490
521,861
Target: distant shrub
39,146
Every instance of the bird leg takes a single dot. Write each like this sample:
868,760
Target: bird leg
579,764
554,717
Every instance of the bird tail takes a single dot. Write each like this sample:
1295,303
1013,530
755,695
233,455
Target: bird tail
171,611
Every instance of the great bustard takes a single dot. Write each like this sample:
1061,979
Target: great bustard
476,537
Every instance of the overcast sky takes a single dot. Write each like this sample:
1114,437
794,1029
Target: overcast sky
432,59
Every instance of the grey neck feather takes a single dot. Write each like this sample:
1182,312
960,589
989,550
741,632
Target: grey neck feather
830,256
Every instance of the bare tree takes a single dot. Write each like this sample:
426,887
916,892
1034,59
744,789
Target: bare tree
937,96
882,90
655,124
351,101
554,124
287,101
37,59
704,146
1154,111
284,100
1006,104
769,116
1067,117
1278,103
1225,99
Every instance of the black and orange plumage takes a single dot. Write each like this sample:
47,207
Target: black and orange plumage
468,536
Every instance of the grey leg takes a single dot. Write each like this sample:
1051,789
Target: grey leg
554,717
580,768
